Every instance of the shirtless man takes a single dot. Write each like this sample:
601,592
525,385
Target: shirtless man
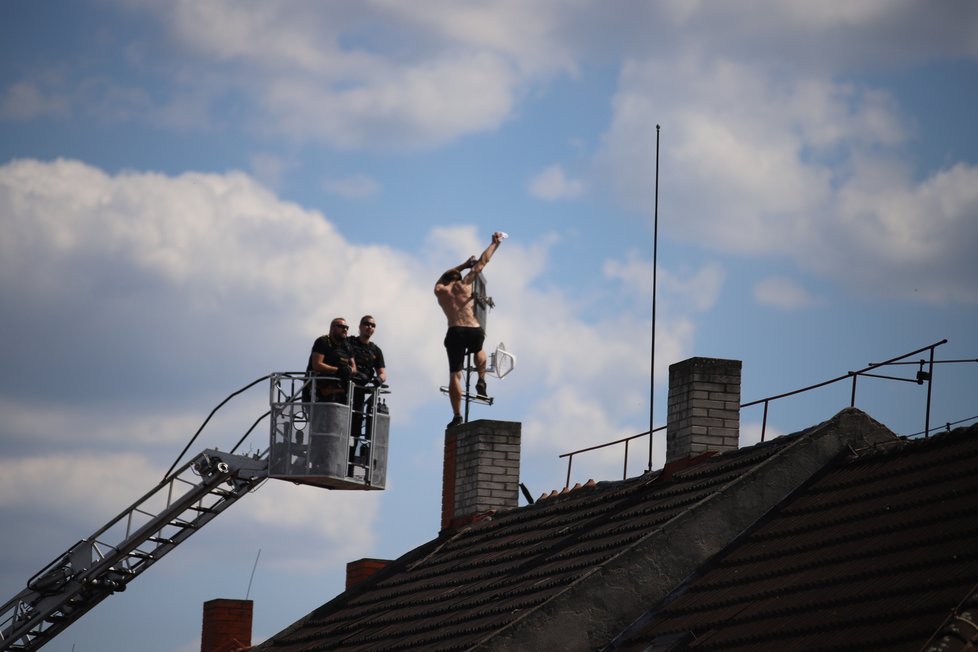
454,293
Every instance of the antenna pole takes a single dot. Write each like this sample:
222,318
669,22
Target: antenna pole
468,383
655,252
253,568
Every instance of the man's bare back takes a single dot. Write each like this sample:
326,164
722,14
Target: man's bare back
457,303
454,291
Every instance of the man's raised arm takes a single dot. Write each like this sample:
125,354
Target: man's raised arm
483,260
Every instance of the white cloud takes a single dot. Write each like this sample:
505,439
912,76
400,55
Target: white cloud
79,487
309,78
200,277
553,184
783,293
746,157
38,419
682,296
89,489
527,33
25,101
270,169
357,186
382,75
820,36
751,432
696,290
385,74
315,530
402,107
699,289
905,238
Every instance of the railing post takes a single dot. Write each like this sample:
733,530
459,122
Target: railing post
650,450
624,471
764,421
930,382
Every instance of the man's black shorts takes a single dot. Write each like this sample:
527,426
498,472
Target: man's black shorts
460,340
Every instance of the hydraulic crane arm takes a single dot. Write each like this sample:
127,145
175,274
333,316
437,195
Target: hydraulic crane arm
94,568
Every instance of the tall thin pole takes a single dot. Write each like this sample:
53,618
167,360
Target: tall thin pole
655,253
930,384
252,578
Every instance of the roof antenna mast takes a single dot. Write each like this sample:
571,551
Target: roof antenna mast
655,251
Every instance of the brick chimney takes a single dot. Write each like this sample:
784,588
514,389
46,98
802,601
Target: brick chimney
704,407
227,625
481,472
359,570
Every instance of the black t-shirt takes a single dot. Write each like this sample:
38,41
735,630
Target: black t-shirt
334,353
369,357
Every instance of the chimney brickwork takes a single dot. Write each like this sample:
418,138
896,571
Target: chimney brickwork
482,470
227,625
361,569
704,407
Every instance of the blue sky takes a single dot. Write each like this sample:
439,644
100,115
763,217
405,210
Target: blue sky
190,191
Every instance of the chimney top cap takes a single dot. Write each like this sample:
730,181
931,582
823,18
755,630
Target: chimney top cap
705,362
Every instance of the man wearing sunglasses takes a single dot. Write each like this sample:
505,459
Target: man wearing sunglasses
332,358
367,355
465,335
370,373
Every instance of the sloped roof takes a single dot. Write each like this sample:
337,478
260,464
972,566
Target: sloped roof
873,553
545,564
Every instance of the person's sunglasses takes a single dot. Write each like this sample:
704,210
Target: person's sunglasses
342,327
369,323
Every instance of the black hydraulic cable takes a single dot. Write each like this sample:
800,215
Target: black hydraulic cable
199,430
291,399
253,426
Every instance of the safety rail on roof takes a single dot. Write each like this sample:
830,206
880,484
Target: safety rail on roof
920,378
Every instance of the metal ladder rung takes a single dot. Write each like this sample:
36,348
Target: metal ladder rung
203,510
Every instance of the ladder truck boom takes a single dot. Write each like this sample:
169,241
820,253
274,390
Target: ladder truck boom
337,444
104,563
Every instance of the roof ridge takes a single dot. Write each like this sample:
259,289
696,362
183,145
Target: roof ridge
554,493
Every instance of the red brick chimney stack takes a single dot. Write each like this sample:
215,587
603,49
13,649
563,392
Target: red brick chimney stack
359,570
227,625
